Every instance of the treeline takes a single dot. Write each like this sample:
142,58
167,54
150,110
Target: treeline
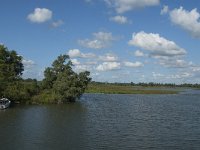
150,84
60,84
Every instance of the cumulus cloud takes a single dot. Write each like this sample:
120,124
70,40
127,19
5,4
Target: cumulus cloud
108,57
175,63
94,44
181,75
177,77
32,70
192,73
91,63
195,68
107,66
75,62
134,65
157,75
57,23
100,40
164,10
76,53
139,53
120,19
80,68
104,36
28,64
40,15
188,20
157,45
122,6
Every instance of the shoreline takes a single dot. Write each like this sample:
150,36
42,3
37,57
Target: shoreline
138,92
122,89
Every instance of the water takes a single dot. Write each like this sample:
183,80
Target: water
108,122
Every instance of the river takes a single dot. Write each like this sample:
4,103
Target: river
107,122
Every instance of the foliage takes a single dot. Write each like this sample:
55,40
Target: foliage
21,91
11,68
45,97
62,82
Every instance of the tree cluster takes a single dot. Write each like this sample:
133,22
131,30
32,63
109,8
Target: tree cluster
12,85
60,84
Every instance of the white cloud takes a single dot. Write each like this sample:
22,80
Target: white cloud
196,69
100,40
139,53
32,70
119,19
188,20
88,55
28,64
56,24
104,36
164,10
108,58
175,63
93,44
107,66
134,65
80,68
73,53
190,74
91,63
180,75
157,45
40,15
75,62
157,75
122,6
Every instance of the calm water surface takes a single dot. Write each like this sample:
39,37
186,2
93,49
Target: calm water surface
110,122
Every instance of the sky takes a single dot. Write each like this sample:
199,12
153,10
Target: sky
116,40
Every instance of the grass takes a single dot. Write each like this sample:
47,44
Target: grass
127,89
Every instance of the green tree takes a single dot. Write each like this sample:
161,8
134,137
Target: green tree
11,66
11,69
62,83
21,90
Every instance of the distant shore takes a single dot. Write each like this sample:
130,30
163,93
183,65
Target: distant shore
129,89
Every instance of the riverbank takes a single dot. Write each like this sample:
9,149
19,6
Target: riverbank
129,89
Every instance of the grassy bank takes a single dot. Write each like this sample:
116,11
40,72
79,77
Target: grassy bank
128,89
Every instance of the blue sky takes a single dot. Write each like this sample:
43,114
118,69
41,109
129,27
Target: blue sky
116,40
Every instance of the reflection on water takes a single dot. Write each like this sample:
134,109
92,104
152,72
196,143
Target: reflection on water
100,121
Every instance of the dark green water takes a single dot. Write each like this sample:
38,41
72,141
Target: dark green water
110,122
